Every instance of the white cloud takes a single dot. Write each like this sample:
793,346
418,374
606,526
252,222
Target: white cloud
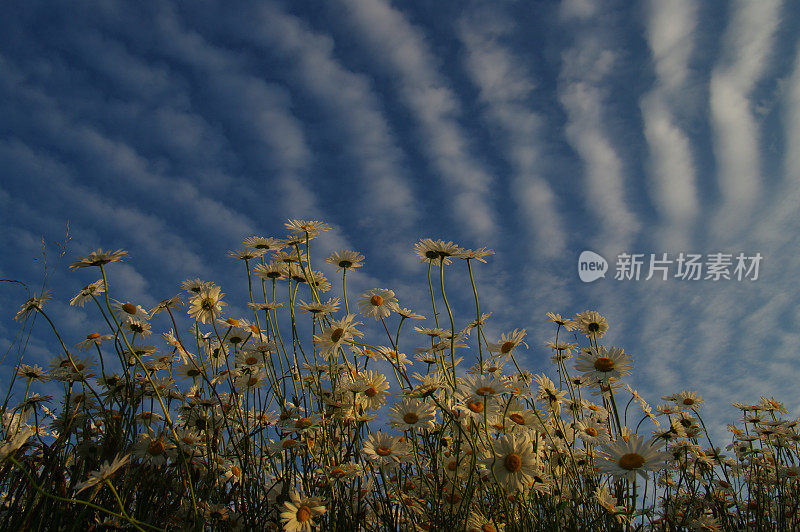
747,45
505,90
586,70
401,49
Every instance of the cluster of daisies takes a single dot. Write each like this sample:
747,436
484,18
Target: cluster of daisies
308,413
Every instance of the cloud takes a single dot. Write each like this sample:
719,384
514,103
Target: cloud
506,92
402,51
747,45
583,90
672,170
352,106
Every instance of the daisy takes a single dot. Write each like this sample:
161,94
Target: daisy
592,431
310,227
126,311
567,323
513,462
428,250
273,270
320,309
246,254
265,243
32,373
410,315
98,258
105,472
173,302
345,259
151,449
628,458
687,399
477,254
508,342
378,303
138,326
92,340
33,303
396,359
195,285
385,449
339,332
591,324
86,293
371,389
207,304
602,365
300,512
411,414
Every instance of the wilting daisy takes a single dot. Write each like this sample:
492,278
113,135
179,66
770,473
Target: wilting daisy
378,303
105,472
98,258
601,364
513,462
207,304
346,259
627,458
86,293
36,303
300,512
591,324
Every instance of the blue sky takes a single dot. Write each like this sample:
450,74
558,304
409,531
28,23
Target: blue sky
539,129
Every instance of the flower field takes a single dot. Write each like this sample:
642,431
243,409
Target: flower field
293,418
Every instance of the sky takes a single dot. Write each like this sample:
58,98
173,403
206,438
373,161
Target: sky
539,129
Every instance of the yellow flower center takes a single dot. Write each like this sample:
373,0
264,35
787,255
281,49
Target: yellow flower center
604,364
236,472
303,423
517,418
303,514
251,360
631,461
688,401
371,391
485,390
382,450
452,465
376,300
506,347
513,462
488,527
337,472
155,448
410,418
130,308
591,431
232,321
475,406
337,334
93,336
